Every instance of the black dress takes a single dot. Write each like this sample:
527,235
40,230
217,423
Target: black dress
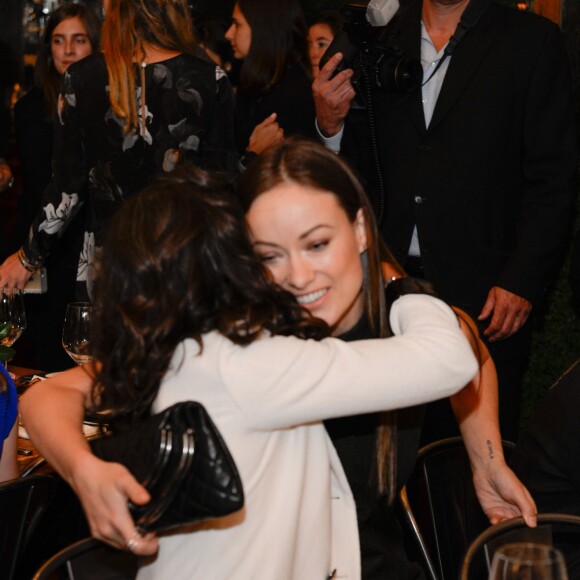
188,109
383,553
291,99
45,313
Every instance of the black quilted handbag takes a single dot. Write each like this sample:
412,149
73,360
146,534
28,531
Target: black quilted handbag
182,460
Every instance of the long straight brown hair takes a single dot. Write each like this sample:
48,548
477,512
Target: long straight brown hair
129,25
307,163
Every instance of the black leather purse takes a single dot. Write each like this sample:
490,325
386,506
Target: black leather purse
182,460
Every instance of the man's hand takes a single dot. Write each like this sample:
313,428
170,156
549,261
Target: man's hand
510,313
332,97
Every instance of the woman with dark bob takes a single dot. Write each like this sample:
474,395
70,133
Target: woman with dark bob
274,92
312,225
185,311
136,110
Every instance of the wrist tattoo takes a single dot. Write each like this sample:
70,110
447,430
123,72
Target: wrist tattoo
490,449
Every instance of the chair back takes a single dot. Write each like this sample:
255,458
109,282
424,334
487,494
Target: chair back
22,501
89,559
559,530
441,508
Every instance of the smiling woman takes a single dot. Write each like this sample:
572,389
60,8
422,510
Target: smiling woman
312,226
312,249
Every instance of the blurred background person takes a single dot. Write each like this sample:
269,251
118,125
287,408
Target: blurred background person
210,34
321,32
138,109
72,32
274,91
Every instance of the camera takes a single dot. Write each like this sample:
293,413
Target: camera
365,48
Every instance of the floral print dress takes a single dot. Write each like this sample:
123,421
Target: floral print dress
187,115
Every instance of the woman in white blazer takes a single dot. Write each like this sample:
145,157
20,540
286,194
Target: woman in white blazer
183,297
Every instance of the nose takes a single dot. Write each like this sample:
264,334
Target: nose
69,46
229,33
300,273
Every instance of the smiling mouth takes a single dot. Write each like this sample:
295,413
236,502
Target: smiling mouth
307,299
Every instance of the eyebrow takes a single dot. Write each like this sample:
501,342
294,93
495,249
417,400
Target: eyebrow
301,237
75,35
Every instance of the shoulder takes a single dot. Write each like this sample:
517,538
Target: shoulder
523,22
88,72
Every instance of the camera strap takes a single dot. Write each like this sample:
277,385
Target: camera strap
470,17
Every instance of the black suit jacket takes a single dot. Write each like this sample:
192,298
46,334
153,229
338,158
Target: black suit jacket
491,183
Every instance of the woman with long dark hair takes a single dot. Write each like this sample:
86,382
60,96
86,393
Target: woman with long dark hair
137,110
274,93
185,311
308,216
72,33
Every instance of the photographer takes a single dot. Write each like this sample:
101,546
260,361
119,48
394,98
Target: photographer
478,167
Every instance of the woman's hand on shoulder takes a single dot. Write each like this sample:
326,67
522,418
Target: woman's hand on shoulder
502,495
104,489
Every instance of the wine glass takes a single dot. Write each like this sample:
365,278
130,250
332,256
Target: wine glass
76,332
527,561
12,312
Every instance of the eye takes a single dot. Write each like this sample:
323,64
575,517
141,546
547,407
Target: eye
318,245
81,40
57,41
267,258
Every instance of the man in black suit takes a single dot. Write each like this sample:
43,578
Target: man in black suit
478,166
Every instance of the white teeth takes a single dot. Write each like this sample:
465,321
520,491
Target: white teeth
312,297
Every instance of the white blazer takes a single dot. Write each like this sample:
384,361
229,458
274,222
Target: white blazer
269,399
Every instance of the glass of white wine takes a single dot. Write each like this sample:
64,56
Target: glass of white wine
528,561
12,312
76,333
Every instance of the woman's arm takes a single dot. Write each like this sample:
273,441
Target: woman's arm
53,413
501,494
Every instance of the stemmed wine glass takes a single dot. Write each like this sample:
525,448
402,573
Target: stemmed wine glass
528,561
12,312
76,332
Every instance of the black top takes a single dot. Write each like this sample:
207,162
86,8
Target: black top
382,551
188,116
547,456
291,99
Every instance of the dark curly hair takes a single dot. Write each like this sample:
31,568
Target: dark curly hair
178,263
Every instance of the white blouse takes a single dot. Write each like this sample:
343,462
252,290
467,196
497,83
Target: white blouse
268,400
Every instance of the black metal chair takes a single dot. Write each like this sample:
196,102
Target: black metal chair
22,502
559,530
441,508
89,559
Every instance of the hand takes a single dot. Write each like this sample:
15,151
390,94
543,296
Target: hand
332,97
13,274
6,178
104,489
510,313
267,133
503,496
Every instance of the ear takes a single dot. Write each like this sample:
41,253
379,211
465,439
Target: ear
360,230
